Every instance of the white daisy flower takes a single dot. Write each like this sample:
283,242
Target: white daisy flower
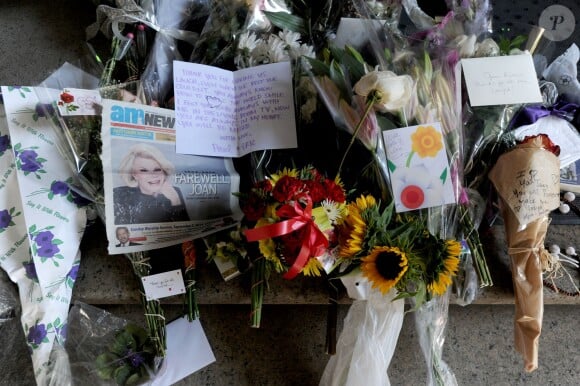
332,209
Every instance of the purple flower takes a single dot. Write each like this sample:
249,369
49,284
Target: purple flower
36,334
78,199
44,110
72,274
28,156
44,238
5,218
135,359
30,269
48,250
4,143
30,166
59,187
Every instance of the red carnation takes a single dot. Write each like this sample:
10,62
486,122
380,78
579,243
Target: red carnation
287,188
316,190
66,97
253,207
334,191
264,186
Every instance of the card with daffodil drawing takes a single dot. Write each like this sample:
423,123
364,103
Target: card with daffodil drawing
418,166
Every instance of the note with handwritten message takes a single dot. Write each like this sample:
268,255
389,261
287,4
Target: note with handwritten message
230,114
530,185
163,284
501,80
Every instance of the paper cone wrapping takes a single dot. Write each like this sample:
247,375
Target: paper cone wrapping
525,181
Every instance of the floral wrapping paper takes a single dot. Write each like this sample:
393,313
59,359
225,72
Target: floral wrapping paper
41,226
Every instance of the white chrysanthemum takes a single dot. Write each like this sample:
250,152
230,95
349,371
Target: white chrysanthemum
248,41
292,39
415,188
276,50
333,210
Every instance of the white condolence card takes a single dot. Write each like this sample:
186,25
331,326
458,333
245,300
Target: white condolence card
230,114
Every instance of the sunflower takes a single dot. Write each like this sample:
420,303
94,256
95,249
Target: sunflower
384,267
285,172
353,230
445,269
313,267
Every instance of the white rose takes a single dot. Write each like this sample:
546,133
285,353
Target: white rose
393,91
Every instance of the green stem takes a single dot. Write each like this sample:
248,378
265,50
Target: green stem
408,163
258,286
369,106
474,243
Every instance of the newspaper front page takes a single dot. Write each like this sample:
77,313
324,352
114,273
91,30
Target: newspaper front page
155,197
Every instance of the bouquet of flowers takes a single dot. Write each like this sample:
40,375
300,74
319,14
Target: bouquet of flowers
526,178
292,215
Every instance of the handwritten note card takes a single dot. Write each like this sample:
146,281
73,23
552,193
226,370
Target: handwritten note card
230,114
418,166
163,284
501,80
75,101
530,185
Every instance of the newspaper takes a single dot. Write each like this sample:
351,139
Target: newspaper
155,197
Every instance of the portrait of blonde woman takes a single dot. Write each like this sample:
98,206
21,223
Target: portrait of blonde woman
148,195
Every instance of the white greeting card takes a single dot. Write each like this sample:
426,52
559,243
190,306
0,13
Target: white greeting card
163,284
229,114
187,352
501,80
417,161
75,101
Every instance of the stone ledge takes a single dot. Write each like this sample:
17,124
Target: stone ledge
107,279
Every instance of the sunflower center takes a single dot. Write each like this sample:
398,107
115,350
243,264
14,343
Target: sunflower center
388,264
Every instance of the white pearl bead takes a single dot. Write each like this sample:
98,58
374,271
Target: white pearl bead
554,248
564,208
569,196
571,251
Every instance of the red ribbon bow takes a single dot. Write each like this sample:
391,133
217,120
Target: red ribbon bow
314,243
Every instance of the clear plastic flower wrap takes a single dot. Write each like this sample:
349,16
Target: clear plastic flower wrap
105,349
430,323
145,38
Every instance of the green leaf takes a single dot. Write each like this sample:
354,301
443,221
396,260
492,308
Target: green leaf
133,379
121,374
518,41
391,165
318,67
287,21
337,77
443,176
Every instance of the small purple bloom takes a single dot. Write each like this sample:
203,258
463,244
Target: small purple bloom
30,166
4,143
48,250
59,187
135,359
44,238
28,156
30,269
36,334
5,218
78,199
72,274
44,110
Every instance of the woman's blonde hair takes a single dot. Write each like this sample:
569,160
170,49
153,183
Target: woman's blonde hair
144,151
